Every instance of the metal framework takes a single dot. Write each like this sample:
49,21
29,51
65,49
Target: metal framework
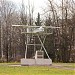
36,30
41,42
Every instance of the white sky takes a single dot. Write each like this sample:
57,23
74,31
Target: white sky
38,4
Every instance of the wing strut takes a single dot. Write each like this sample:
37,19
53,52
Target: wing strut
43,47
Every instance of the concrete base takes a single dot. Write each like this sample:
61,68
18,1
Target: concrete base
41,62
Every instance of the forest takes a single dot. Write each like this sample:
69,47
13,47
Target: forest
60,45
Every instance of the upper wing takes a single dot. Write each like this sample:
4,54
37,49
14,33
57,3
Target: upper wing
26,26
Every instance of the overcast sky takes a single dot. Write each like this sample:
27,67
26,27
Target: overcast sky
38,4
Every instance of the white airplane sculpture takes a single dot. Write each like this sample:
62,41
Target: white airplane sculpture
36,29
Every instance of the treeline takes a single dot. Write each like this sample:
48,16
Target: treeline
60,45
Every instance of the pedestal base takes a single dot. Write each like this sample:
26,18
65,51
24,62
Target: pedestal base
41,62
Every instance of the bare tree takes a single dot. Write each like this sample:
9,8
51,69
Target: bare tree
63,38
6,11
